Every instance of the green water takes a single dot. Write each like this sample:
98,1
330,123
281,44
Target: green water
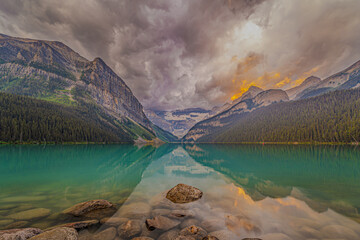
276,186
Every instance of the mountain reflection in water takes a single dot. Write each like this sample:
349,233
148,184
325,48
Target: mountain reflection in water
270,192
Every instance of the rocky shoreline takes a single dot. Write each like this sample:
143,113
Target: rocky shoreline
176,214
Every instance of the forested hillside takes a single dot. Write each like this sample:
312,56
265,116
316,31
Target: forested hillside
332,117
24,119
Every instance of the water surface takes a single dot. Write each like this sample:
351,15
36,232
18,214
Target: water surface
271,191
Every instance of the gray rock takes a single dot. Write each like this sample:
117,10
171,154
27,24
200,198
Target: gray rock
129,229
193,231
19,234
185,238
62,233
92,209
161,222
251,239
30,214
183,193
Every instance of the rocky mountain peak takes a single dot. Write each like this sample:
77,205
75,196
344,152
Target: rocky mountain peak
270,96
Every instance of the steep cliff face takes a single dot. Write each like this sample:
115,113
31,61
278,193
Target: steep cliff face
223,120
52,71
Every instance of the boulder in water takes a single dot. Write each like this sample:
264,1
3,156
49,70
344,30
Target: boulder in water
161,222
61,233
85,209
183,193
19,234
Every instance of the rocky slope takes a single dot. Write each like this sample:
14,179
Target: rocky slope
346,79
308,83
51,71
246,104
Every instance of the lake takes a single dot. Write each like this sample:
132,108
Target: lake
265,191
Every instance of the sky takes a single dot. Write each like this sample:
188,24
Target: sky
176,54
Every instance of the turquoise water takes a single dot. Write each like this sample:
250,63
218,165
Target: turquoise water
281,189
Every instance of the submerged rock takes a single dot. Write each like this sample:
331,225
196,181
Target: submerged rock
169,235
142,238
93,208
129,229
19,234
193,231
210,238
30,214
134,210
62,233
19,224
79,225
161,222
114,221
107,234
183,193
181,214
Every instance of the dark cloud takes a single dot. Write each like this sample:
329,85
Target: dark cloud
186,53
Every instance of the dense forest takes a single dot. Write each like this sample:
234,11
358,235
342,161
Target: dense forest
332,117
25,119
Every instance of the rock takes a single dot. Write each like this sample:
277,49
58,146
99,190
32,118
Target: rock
169,235
275,236
61,233
224,235
189,222
210,238
213,224
183,193
181,214
184,238
160,211
134,210
129,229
95,208
251,239
161,222
142,238
193,231
30,214
6,222
235,223
107,234
19,234
19,224
78,225
114,221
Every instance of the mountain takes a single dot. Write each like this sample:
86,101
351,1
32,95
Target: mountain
51,71
306,84
346,79
226,118
177,122
331,117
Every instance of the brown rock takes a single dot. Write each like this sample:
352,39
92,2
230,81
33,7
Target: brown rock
78,225
193,231
161,222
181,213
30,214
189,222
184,238
129,229
251,239
142,238
85,209
61,233
19,234
169,235
114,221
19,224
183,193
107,234
210,238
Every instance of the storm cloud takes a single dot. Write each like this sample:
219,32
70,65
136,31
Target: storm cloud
197,53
